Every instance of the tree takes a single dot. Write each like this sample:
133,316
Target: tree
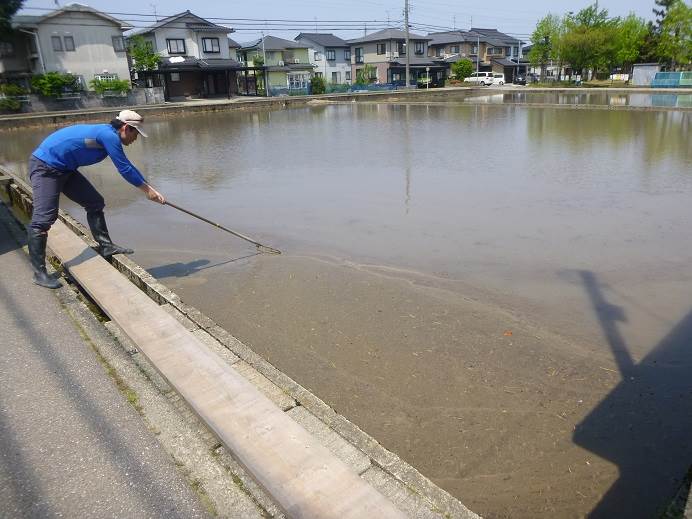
663,11
364,75
589,41
8,8
629,40
546,39
317,85
142,54
675,38
462,69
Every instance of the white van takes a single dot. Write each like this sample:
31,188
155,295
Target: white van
498,79
481,78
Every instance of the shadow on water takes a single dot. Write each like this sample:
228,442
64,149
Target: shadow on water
644,424
181,270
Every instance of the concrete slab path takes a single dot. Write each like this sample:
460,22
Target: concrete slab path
70,444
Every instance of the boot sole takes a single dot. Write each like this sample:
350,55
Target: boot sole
44,285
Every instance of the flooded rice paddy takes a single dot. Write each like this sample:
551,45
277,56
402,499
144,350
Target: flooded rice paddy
580,97
500,295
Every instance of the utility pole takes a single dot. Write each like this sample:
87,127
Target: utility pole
267,92
478,53
408,53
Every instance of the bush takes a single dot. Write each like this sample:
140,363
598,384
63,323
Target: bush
110,85
10,89
9,105
317,85
52,84
462,68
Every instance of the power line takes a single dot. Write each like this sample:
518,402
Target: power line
209,18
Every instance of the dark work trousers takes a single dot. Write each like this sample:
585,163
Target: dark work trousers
47,184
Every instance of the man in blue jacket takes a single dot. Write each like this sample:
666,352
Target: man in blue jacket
53,170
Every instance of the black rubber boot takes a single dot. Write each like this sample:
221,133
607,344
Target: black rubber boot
37,254
97,224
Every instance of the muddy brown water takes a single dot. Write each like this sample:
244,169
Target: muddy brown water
500,295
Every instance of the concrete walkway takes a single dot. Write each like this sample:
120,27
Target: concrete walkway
70,444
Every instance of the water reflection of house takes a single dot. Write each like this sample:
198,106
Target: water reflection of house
286,63
386,51
195,57
74,39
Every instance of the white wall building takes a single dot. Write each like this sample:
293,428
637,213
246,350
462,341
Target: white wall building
330,55
74,39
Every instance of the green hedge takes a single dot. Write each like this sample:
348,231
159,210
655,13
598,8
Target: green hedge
10,89
53,84
110,85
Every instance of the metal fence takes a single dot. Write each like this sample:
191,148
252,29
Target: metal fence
335,89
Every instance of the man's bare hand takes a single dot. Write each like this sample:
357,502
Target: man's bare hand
152,194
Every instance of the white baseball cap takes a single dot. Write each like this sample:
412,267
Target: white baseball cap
132,118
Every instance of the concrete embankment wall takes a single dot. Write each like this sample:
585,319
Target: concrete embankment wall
398,481
16,121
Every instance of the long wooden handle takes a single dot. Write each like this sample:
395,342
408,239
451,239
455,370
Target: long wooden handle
218,225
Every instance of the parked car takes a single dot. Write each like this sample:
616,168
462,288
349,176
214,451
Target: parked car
520,79
481,78
498,79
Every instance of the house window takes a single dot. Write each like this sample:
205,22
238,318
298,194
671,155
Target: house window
359,54
175,76
381,48
318,56
175,46
69,43
335,78
106,77
438,52
373,73
331,54
495,51
419,47
57,43
211,45
318,74
348,75
474,50
347,54
297,81
6,49
455,49
119,43
401,47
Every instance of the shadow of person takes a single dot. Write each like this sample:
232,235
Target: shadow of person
643,425
191,267
178,269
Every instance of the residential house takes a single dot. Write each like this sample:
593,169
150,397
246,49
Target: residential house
286,63
74,39
451,46
488,50
386,51
503,52
330,55
195,57
233,48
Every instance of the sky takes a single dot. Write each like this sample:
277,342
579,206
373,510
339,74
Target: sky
351,18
